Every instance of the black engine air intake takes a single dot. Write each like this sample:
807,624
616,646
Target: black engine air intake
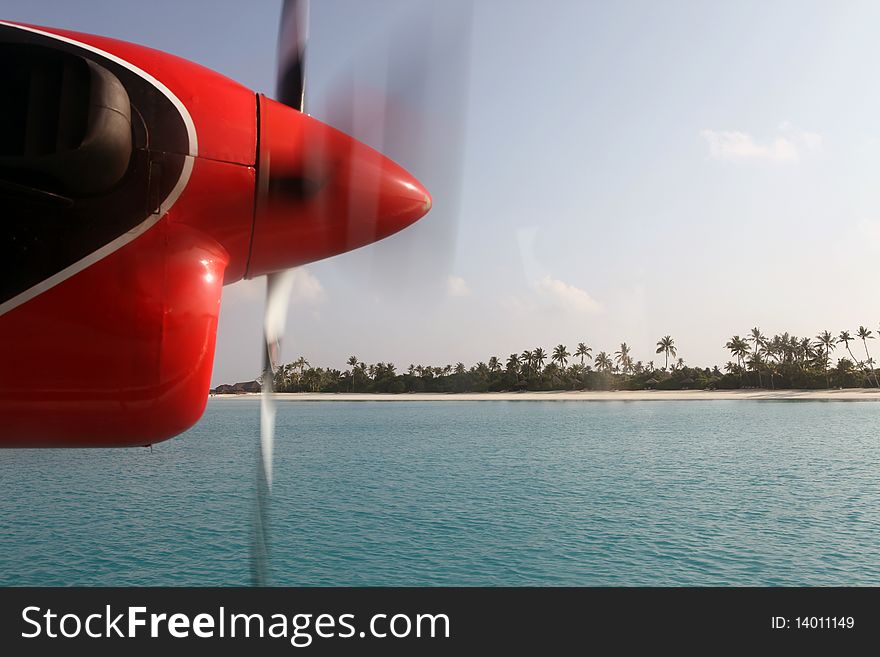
65,122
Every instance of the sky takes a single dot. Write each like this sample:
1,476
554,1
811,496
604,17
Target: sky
601,172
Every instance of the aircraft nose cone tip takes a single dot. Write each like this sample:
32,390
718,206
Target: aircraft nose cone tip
405,201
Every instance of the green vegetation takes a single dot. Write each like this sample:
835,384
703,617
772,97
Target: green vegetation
783,361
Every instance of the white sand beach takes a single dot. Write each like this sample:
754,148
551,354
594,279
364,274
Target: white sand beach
848,394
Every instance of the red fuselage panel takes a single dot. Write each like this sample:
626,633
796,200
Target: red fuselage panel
129,328
121,353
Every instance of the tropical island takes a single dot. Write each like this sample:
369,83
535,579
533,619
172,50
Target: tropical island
783,362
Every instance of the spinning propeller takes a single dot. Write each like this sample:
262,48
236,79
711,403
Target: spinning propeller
290,89
319,186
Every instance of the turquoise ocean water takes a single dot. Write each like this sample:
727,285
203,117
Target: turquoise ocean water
465,493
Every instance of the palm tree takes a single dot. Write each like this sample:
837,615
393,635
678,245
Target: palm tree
603,362
791,348
806,352
560,355
526,358
754,361
459,368
826,341
513,365
846,338
352,363
844,367
770,351
539,356
866,335
301,364
623,358
758,340
494,364
739,348
583,350
666,345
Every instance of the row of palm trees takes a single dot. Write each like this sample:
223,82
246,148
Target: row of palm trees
767,356
618,361
531,369
782,360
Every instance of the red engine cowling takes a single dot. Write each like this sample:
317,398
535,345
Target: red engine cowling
321,193
111,286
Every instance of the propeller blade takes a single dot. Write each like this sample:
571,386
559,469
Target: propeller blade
415,116
292,39
403,91
278,289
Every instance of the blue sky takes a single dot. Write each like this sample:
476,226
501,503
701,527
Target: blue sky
626,170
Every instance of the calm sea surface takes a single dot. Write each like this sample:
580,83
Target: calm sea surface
465,493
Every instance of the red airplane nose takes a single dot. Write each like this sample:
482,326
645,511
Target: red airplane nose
321,193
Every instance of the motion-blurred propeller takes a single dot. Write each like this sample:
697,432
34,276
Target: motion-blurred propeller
403,93
290,90
402,87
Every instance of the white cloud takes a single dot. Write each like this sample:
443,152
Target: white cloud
735,145
516,305
565,296
811,141
306,288
550,295
457,287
